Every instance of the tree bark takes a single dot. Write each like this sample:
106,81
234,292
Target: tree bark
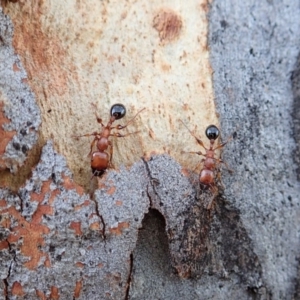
144,230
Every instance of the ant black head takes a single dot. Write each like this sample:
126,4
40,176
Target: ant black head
212,132
118,111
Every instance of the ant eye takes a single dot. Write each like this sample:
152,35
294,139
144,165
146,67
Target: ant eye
118,111
212,132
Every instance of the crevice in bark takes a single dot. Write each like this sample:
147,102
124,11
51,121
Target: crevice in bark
149,196
260,293
101,219
99,215
5,281
297,282
152,259
5,292
152,181
295,80
215,242
129,277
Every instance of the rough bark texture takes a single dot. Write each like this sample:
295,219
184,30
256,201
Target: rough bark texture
253,91
19,114
146,232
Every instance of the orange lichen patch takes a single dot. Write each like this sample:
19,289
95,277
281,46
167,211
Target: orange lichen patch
5,221
40,211
5,136
111,190
53,195
95,226
4,245
54,293
17,289
33,240
118,230
79,264
39,197
31,233
119,203
168,24
2,203
47,262
76,226
78,288
85,203
40,294
69,184
185,172
16,68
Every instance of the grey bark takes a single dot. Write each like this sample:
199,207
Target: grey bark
19,102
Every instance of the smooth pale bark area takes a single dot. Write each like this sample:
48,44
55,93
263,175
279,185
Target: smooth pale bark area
144,54
145,232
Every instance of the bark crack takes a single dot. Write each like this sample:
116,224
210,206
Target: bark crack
5,288
101,219
129,277
5,282
149,196
153,182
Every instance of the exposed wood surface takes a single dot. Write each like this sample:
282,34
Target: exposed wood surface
142,54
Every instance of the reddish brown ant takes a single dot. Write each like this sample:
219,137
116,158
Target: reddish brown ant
210,167
100,159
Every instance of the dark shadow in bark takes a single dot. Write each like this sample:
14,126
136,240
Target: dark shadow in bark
216,242
295,78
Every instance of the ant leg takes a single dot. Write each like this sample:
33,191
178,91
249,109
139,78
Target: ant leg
110,155
93,175
219,179
117,134
92,146
88,134
95,134
198,164
193,152
198,153
197,139
223,144
99,120
214,190
219,160
119,127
